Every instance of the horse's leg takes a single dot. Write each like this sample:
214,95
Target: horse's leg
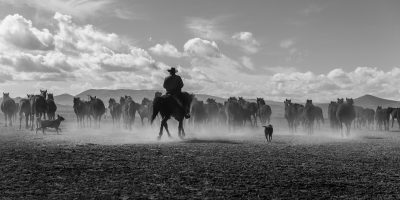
180,129
26,120
5,119
11,119
20,121
166,126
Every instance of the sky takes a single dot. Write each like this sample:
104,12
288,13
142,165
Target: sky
275,49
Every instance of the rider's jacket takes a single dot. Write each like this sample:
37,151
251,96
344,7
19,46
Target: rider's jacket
173,84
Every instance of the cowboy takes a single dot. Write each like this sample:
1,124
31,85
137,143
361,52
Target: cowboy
173,84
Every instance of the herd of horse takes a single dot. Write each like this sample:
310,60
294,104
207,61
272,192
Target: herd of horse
234,112
33,107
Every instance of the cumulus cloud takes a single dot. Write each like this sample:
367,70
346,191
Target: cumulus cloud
77,52
247,41
337,83
166,49
201,48
18,31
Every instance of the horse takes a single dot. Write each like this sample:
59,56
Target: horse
319,116
369,115
394,114
98,109
115,110
198,112
51,107
129,108
346,114
263,111
290,114
8,108
38,106
212,110
145,109
249,111
25,109
309,114
79,110
167,106
234,112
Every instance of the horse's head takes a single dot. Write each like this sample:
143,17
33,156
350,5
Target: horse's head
287,102
309,101
43,93
242,100
349,101
111,101
59,117
50,96
76,100
146,101
6,95
340,100
157,94
232,99
122,100
92,98
211,101
260,101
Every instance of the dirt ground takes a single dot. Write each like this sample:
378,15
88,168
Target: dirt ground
108,163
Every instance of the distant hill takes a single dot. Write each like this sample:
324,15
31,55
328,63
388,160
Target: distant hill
64,99
371,101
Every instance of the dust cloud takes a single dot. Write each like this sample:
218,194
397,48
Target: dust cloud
109,134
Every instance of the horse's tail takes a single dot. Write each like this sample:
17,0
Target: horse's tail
156,108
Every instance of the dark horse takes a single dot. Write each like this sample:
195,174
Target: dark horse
290,114
167,106
79,110
309,114
346,114
115,110
129,108
25,109
8,108
145,109
263,111
38,106
51,107
98,109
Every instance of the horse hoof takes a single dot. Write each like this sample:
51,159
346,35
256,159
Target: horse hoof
159,138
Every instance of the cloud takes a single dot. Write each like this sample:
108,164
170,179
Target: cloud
78,53
287,43
201,48
17,31
246,61
247,41
206,28
166,49
311,9
4,77
77,8
337,83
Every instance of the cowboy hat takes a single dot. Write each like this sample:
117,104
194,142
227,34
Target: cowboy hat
172,70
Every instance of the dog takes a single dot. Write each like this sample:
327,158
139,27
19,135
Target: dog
268,130
50,124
